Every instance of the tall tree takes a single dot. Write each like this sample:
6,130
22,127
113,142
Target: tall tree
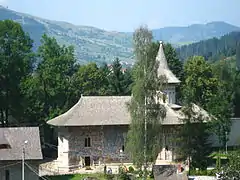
238,56
223,108
116,78
15,64
199,87
144,135
200,84
49,90
90,80
193,138
119,81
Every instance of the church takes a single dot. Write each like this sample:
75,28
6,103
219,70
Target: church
94,130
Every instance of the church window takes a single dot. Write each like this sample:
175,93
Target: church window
123,148
87,142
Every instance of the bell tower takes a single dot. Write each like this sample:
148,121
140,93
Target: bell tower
172,80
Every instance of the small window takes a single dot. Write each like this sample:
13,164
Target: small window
7,175
87,142
123,148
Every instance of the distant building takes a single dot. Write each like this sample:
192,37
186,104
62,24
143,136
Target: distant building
14,143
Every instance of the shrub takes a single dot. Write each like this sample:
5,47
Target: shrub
140,173
203,172
131,169
124,176
151,175
109,176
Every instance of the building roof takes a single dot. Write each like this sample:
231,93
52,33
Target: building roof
16,137
163,68
109,110
96,110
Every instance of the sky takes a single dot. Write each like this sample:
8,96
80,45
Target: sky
127,15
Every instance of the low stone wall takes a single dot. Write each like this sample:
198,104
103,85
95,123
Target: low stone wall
202,178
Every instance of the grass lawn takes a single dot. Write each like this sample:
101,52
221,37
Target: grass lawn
79,177
75,177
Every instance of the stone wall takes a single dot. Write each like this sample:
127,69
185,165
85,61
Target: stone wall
15,171
106,142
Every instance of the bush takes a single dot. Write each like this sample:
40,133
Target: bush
151,175
140,173
203,172
124,176
131,169
109,176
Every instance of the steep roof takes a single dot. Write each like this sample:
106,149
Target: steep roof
16,136
96,110
163,68
108,110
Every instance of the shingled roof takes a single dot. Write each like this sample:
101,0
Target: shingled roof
95,110
163,68
15,137
108,110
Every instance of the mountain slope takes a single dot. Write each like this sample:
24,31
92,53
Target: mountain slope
93,44
212,49
194,33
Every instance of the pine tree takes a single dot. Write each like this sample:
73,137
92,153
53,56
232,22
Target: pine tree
238,56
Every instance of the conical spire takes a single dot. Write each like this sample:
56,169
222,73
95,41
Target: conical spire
163,68
161,58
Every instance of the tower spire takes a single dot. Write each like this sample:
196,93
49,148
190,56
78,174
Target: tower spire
163,68
161,58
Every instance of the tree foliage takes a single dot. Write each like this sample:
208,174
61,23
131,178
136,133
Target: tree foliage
119,82
49,89
198,88
15,64
232,169
212,49
146,84
193,139
223,108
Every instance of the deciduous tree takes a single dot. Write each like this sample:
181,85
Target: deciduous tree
144,108
16,62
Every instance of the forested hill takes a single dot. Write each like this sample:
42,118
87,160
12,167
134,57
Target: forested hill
212,49
96,45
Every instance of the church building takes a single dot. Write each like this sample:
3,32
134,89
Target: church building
94,130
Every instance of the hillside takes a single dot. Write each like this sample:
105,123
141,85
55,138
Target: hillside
212,49
193,33
93,44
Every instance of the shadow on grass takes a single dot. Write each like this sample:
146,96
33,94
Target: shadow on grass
60,177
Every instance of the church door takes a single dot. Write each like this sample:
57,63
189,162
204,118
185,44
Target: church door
87,161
